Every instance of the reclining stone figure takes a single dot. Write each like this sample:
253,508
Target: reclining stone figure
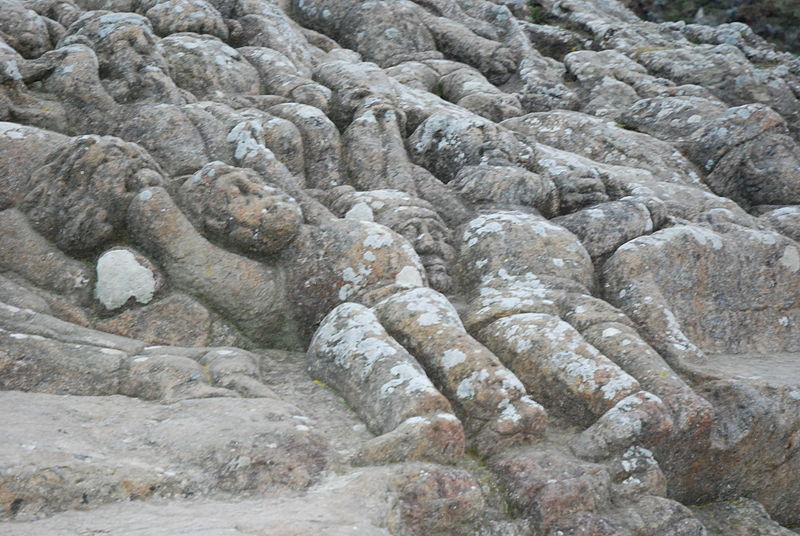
302,272
281,301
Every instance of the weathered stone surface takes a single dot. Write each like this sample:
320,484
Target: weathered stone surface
207,67
605,227
725,71
640,418
548,486
175,320
321,142
26,253
506,187
22,297
624,346
493,237
755,429
82,362
551,358
746,150
80,198
411,217
117,448
606,142
785,220
624,253
489,398
23,29
132,67
25,149
443,144
407,499
254,299
702,310
279,76
739,516
352,353
175,16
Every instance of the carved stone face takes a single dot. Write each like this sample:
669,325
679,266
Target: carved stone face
80,198
235,206
410,217
429,236
130,62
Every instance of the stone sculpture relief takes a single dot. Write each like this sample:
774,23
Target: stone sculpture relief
489,268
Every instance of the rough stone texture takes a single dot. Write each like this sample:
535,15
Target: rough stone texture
34,258
24,29
739,516
604,228
352,353
279,76
443,144
176,320
116,448
413,218
182,251
410,499
547,245
238,208
547,486
728,144
80,198
701,311
208,67
785,220
490,399
604,141
24,149
551,358
174,16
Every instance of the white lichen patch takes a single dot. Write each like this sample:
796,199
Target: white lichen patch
434,308
409,276
378,237
350,337
247,138
467,387
791,259
120,276
371,350
611,332
412,376
355,280
360,211
508,381
510,413
619,383
452,357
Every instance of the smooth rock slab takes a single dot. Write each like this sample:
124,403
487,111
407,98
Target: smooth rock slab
406,499
66,452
